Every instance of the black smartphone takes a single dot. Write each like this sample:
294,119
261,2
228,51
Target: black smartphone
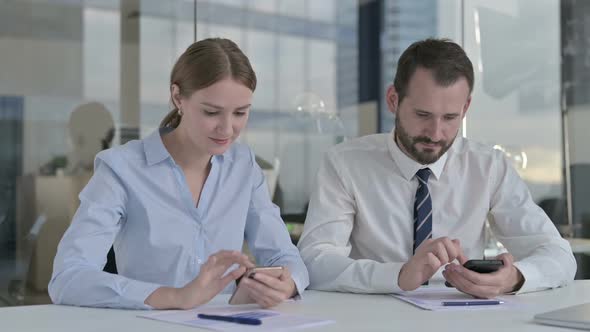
484,265
481,266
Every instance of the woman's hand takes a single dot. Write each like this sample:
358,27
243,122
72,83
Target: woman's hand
269,291
212,279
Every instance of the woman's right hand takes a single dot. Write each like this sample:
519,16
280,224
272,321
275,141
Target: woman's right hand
212,279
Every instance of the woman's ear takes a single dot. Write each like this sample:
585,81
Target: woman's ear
175,96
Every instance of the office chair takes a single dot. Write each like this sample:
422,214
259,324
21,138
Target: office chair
111,265
555,208
17,286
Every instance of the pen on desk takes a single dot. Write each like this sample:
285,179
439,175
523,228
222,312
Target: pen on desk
469,303
238,320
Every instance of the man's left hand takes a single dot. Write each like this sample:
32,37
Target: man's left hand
485,285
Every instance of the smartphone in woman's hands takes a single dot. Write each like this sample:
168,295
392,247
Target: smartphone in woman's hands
240,295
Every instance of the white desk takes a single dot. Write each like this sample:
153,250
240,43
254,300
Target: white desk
351,311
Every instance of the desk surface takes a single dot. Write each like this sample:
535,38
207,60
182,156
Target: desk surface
352,312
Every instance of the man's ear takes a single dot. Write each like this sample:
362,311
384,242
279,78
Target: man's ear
392,99
175,96
466,106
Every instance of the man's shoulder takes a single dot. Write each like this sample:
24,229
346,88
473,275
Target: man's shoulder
474,149
375,143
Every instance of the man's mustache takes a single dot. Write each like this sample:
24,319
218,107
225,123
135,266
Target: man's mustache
424,139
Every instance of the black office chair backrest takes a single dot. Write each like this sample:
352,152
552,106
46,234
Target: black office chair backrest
111,265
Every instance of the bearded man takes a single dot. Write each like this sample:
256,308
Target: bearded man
392,211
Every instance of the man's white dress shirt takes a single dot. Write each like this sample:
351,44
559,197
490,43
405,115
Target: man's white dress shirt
359,227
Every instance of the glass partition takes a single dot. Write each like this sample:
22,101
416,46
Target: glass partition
77,77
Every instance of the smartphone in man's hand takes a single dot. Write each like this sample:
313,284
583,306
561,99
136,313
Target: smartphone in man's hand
481,266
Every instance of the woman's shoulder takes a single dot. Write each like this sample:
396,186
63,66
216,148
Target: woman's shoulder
130,152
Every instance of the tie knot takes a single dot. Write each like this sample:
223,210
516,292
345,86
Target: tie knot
424,174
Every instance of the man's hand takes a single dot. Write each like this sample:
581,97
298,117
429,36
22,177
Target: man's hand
429,257
486,285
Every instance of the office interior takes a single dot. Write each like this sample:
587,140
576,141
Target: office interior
78,76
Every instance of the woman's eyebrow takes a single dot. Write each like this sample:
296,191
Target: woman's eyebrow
221,108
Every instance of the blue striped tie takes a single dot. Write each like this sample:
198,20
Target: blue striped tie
422,209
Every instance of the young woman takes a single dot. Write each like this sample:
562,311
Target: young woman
178,204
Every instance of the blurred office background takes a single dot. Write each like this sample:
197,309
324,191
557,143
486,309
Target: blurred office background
77,76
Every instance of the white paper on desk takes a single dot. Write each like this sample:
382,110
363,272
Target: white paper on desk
271,320
432,297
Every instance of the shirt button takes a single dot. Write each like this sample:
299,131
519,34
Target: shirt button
199,261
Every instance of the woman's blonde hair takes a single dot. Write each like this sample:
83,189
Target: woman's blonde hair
203,64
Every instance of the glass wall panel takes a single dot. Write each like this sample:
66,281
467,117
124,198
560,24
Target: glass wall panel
575,80
516,99
42,85
324,10
294,8
405,21
165,31
293,47
74,74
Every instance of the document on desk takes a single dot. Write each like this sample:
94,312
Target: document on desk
438,298
271,320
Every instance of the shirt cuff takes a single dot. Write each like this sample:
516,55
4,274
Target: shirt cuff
136,292
300,285
385,277
531,275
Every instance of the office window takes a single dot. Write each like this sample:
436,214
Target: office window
322,10
260,47
516,99
295,8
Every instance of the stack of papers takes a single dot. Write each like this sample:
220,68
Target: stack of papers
271,320
447,298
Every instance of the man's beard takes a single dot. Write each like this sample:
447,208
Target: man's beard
409,144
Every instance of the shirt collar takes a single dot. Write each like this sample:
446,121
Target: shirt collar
154,148
155,151
408,166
